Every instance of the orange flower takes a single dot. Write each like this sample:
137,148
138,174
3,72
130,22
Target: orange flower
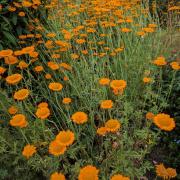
28,49
160,61
30,35
55,86
10,60
119,177
6,53
2,70
43,113
22,65
26,3
84,52
161,171
29,150
62,43
164,122
119,49
21,14
173,8
48,76
42,104
80,41
79,117
56,149
22,37
112,125
88,172
18,120
117,92
65,66
147,80
18,53
54,66
126,30
21,94
118,84
141,33
74,56
57,176
150,116
13,110
171,172
65,138
65,78
102,131
152,25
148,30
38,68
13,79
106,104
175,65
34,54
104,81
11,9
55,56
66,100
51,35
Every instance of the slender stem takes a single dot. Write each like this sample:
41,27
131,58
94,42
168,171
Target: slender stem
23,134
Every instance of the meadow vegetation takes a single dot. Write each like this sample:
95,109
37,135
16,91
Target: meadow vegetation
86,91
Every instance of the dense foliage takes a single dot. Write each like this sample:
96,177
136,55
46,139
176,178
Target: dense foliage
15,19
85,92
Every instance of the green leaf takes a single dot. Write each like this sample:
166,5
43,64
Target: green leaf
1,47
19,30
6,20
10,37
14,19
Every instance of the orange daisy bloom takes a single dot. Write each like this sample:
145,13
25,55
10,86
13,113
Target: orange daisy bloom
102,131
88,172
106,104
48,76
13,110
55,86
161,171
21,94
104,81
13,79
56,148
10,60
66,100
38,68
119,177
6,53
28,49
18,120
171,172
79,117
160,61
43,113
175,65
118,84
149,116
112,125
147,80
65,138
2,70
164,122
57,176
29,150
42,104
